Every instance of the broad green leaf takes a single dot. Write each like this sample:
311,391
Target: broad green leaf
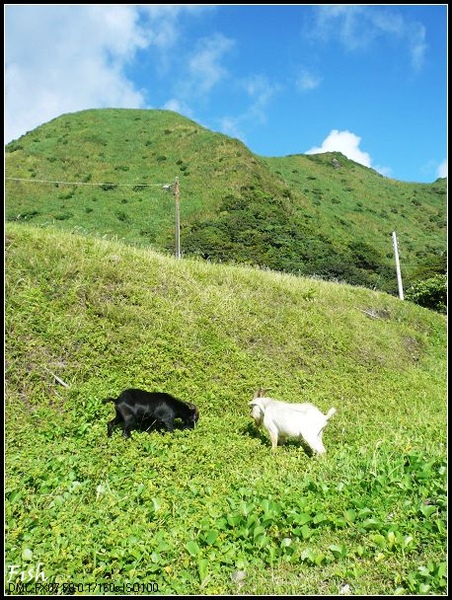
211,536
193,548
350,515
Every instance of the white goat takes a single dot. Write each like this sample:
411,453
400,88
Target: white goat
282,420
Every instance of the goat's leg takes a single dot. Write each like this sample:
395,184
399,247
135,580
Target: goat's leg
169,424
274,438
113,423
128,424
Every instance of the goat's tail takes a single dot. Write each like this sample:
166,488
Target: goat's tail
108,400
330,413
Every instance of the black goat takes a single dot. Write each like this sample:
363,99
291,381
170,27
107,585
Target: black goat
149,410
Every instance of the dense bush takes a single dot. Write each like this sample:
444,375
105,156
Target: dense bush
430,293
265,231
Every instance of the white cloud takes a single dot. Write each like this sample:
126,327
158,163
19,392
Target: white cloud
201,72
433,170
348,144
205,66
386,171
345,142
260,92
358,26
442,169
231,126
178,106
418,46
163,21
66,58
307,81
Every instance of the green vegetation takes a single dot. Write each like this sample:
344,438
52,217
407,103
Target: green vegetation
213,511
431,293
321,215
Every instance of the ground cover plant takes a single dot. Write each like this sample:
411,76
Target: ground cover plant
212,510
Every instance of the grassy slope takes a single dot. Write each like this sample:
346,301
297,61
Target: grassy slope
359,204
129,147
133,147
191,510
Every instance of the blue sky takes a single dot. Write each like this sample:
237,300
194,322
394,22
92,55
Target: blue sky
366,80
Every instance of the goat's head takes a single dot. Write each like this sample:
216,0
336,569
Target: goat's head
257,410
193,415
261,393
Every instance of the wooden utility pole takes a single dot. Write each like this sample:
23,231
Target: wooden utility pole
177,200
399,275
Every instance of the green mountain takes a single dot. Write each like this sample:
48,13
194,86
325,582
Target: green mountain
102,172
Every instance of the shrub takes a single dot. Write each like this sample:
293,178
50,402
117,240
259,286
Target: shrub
122,216
63,216
430,293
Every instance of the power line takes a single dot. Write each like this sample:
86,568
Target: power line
174,188
85,182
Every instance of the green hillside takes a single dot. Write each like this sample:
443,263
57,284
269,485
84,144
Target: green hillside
134,153
213,511
102,171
